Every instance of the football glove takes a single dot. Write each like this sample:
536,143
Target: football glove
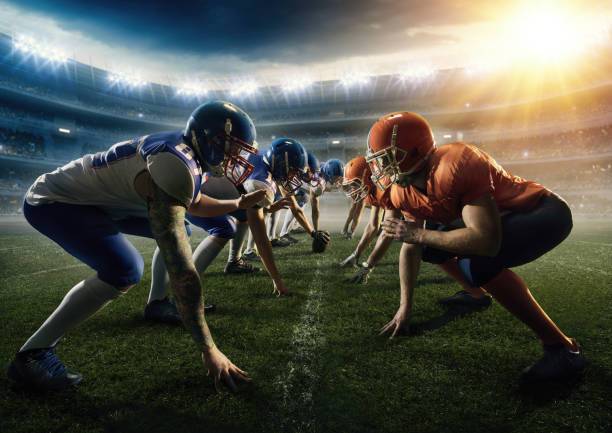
320,240
350,260
362,274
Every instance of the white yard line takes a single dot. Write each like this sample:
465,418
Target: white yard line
297,382
574,265
599,244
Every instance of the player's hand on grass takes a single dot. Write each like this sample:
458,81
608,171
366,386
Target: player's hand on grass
361,275
349,261
399,324
400,230
249,200
280,289
222,370
283,203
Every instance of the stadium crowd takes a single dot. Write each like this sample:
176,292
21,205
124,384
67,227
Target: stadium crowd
19,143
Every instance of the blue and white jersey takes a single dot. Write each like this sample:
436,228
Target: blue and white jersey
318,190
106,179
261,178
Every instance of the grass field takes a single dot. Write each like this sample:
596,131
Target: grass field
316,361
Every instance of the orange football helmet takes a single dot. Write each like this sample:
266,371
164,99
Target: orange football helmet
357,183
398,145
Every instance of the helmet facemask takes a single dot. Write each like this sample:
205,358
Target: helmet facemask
385,164
355,189
235,165
291,182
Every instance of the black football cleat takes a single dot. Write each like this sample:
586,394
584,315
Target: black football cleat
164,311
251,256
42,370
289,238
297,231
558,362
240,266
464,298
278,242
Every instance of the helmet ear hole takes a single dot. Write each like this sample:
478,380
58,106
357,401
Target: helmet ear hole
415,153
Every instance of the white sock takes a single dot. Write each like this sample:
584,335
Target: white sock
238,240
81,302
160,282
205,253
272,225
250,244
287,223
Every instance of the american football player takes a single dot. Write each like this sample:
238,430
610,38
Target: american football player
311,180
143,187
359,188
487,218
280,167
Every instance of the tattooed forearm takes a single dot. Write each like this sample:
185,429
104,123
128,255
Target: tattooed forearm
167,219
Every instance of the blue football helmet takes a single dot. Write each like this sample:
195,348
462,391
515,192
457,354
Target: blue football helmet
222,136
313,174
288,162
333,171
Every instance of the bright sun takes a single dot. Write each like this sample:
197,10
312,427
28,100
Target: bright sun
548,32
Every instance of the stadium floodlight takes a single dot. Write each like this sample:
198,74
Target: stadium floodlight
28,45
415,73
335,141
296,84
64,130
354,78
192,89
126,80
244,88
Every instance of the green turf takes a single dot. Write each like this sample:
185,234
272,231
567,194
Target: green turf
315,358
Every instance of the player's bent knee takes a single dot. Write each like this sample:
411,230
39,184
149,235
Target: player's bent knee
123,274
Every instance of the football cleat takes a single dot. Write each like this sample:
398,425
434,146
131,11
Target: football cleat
463,297
558,362
42,370
289,238
240,266
298,230
278,242
251,256
165,311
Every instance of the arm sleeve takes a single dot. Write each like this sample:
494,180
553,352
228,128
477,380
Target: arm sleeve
171,174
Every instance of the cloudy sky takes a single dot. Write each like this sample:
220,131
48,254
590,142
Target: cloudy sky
170,40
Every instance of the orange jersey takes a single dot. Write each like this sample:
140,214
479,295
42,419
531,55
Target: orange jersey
458,173
380,198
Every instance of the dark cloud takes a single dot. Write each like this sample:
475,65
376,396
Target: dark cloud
286,31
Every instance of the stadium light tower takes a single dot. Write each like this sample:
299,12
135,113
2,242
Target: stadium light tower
354,78
126,80
296,84
192,90
28,45
245,88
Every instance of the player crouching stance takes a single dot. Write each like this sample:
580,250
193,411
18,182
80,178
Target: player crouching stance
487,219
142,187
359,187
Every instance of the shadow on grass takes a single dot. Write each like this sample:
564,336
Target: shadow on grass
74,407
543,393
451,314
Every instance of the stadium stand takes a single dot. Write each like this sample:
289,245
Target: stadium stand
52,113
